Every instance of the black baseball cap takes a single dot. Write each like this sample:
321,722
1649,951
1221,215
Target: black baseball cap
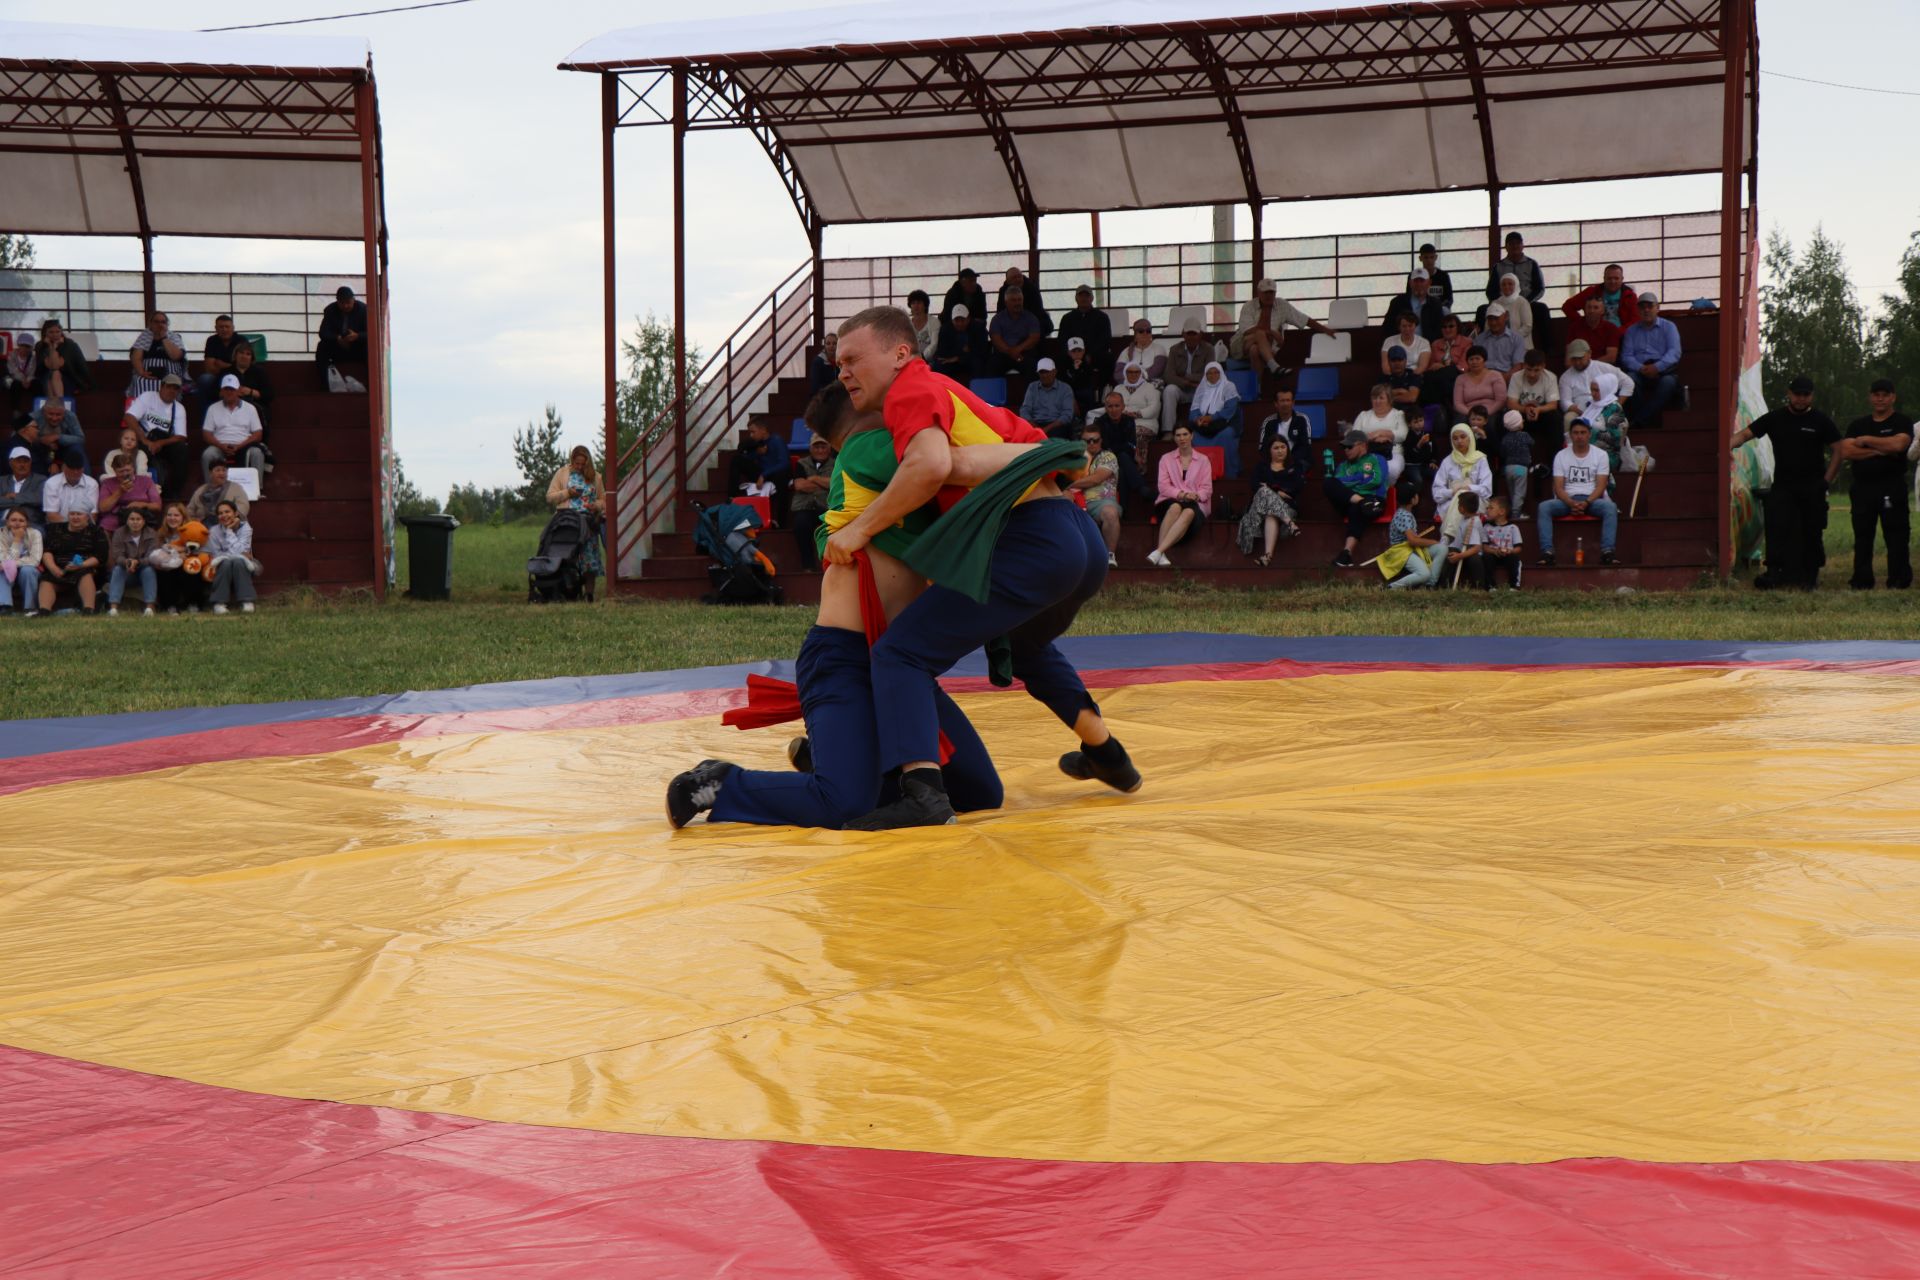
1801,386
1428,248
342,294
968,273
1882,384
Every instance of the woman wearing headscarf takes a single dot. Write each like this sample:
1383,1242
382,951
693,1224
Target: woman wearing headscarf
1277,482
1519,310
1214,415
1460,471
1142,398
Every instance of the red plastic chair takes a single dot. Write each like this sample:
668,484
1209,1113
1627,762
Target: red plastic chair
1392,508
762,505
1216,456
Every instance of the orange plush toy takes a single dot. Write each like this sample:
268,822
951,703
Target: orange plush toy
193,535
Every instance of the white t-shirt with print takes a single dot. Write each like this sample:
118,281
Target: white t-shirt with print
1581,474
155,416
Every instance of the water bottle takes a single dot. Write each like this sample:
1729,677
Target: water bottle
1579,550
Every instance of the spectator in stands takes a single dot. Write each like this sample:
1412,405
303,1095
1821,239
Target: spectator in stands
1263,324
1500,545
26,435
824,369
1591,390
1616,299
231,430
219,488
1419,304
21,489
764,457
1386,429
216,359
1580,477
1464,470
960,352
1030,300
1796,506
1186,494
1649,351
1214,415
68,490
230,544
257,390
1286,421
1414,349
1049,403
812,481
1119,428
1101,485
60,428
343,339
1506,350
1519,311
1403,384
127,554
1592,327
22,550
130,447
1092,326
75,550
161,420
926,326
574,487
1441,282
1448,363
126,493
1534,393
1409,560
1084,376
1186,365
1877,447
178,535
1015,335
1479,419
1516,458
966,292
1479,385
59,367
156,355
1531,284
1272,510
1147,350
1356,485
1464,541
1142,401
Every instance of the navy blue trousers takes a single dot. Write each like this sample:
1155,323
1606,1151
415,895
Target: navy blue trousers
836,696
1049,561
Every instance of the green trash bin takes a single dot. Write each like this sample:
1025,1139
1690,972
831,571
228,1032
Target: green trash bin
430,556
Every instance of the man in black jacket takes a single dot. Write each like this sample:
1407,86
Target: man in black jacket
1796,506
343,335
1091,325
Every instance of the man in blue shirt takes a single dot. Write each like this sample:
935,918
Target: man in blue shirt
1049,403
765,456
1506,350
1648,352
1015,335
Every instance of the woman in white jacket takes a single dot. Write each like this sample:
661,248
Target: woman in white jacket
1463,470
1386,429
20,551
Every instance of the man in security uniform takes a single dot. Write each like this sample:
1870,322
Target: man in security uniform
1877,446
1796,506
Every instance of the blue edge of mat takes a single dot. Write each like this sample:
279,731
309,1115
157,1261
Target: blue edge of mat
22,738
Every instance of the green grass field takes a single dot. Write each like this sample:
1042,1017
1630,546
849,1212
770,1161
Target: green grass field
303,646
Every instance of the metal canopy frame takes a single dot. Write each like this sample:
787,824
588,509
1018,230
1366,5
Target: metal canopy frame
1001,88
139,111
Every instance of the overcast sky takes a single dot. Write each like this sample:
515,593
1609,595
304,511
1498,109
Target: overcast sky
493,198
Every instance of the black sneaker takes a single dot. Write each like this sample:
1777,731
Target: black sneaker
1545,561
800,754
1344,560
921,804
1121,777
692,793
1766,582
1607,557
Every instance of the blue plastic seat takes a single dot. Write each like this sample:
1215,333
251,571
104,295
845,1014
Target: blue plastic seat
1316,416
802,435
1317,385
1247,381
992,390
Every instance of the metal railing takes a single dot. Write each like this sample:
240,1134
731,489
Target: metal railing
771,343
109,306
1675,254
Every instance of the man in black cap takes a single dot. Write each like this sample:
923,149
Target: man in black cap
1877,446
1091,325
966,292
1796,506
1439,282
343,336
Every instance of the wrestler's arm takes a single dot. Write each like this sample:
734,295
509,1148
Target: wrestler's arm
974,463
923,469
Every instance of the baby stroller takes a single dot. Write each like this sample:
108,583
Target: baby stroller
740,574
558,571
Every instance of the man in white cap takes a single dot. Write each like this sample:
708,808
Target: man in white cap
1186,364
1649,350
961,351
1084,376
22,488
1418,301
1049,403
1263,322
1506,350
232,430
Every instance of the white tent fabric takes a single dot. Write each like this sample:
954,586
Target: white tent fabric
1340,101
233,134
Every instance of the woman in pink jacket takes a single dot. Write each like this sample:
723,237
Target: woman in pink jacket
1186,494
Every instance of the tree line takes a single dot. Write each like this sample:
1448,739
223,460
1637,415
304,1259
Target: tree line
1813,323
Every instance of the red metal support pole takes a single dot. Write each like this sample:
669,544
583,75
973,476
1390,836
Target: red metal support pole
1033,248
376,290
1259,241
817,239
609,118
679,284
1734,25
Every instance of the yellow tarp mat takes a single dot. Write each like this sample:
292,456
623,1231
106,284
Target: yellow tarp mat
1668,914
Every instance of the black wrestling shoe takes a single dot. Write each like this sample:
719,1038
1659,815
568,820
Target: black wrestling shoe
1109,764
692,793
800,754
922,803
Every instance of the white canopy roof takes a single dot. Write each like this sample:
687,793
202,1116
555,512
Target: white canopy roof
110,131
893,112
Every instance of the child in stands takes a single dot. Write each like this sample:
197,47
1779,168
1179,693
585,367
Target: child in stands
1516,458
1501,548
1408,561
1464,558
